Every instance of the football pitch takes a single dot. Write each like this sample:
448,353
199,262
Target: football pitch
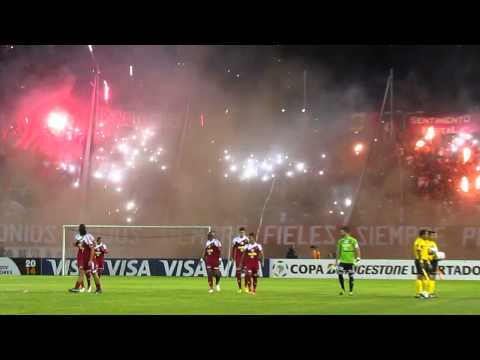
47,295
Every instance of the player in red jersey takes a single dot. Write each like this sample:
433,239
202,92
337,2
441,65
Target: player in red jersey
87,264
80,264
80,256
250,260
81,241
100,251
212,256
239,245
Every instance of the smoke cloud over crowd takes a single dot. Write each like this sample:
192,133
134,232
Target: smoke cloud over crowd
197,134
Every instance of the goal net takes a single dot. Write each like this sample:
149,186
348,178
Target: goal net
140,242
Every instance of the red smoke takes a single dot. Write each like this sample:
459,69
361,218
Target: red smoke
37,125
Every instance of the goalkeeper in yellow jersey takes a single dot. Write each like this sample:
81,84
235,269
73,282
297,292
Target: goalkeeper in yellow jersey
420,253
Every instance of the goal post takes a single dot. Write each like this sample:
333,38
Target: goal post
140,241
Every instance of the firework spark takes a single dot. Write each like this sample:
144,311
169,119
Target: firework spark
262,168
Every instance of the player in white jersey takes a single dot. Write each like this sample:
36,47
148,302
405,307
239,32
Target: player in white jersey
85,259
239,244
83,241
81,272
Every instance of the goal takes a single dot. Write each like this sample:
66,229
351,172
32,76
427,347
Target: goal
141,242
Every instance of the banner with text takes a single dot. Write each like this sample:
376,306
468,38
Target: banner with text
446,124
371,269
8,267
146,267
376,241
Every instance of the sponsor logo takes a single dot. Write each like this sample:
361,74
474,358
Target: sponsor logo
146,267
8,267
117,267
279,269
54,267
128,267
189,267
371,269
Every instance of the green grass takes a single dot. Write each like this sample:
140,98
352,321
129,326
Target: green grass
162,295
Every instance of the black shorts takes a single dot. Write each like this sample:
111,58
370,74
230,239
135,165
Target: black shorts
418,267
429,268
345,268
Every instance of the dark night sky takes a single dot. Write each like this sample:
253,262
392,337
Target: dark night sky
444,77
439,78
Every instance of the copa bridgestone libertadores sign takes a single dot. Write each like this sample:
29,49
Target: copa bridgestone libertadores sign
371,269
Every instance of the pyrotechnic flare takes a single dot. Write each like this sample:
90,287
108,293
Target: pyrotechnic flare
430,133
115,176
57,122
459,141
130,205
106,91
358,149
254,168
467,153
466,136
300,166
420,144
464,185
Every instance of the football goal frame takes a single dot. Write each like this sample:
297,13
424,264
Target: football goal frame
208,228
